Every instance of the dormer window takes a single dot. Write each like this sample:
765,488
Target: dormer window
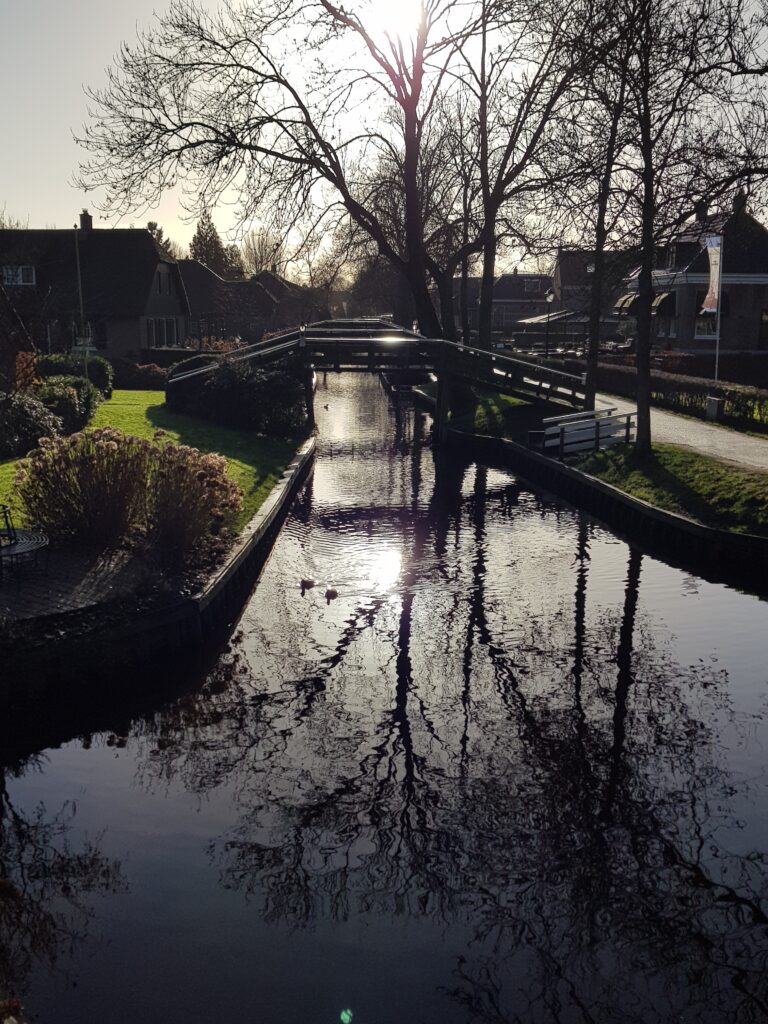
590,268
18,276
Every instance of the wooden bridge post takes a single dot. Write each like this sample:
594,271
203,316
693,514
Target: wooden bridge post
308,378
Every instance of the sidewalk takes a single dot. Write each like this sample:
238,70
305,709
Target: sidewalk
669,428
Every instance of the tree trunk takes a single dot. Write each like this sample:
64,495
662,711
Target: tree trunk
464,301
485,324
447,315
601,235
644,307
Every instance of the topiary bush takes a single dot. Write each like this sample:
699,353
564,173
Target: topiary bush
74,399
191,500
139,376
24,419
99,369
89,487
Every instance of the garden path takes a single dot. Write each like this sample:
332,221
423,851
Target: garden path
69,582
707,438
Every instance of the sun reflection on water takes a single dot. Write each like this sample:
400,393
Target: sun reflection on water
384,569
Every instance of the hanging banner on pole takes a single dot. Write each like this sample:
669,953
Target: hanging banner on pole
714,244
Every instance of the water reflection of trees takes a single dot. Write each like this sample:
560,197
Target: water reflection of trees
45,885
562,795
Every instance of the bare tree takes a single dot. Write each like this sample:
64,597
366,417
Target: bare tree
264,249
242,113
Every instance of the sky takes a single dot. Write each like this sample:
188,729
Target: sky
50,49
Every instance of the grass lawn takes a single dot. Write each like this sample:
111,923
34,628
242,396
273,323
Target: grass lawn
484,411
255,462
679,480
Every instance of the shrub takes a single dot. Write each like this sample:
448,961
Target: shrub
139,376
91,487
99,369
103,488
191,500
74,399
23,421
237,394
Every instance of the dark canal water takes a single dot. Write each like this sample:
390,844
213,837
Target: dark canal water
516,771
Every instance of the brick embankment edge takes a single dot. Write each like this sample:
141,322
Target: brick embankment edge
719,555
174,627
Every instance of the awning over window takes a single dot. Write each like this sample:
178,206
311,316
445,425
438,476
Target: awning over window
626,304
664,304
541,318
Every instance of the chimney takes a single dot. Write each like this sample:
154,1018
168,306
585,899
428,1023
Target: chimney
740,202
86,221
701,210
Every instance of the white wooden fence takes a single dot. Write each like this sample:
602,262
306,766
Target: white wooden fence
584,431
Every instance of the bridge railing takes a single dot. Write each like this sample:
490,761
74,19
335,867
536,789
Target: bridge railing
479,364
381,343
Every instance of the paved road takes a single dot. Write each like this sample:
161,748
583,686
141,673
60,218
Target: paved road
668,428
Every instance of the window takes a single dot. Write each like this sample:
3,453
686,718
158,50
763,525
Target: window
18,276
170,332
159,283
590,268
150,333
706,326
532,284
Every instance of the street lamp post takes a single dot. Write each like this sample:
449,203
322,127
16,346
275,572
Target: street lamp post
550,298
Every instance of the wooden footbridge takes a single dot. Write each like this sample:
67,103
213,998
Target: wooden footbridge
375,344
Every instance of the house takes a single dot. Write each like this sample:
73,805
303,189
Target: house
113,285
246,308
573,275
516,296
220,309
681,284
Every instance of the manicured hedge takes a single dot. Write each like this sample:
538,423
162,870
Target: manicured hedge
139,376
743,406
99,369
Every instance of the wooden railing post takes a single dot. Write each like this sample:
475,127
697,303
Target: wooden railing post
562,443
597,435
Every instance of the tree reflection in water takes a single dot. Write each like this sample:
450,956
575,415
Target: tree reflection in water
44,885
548,778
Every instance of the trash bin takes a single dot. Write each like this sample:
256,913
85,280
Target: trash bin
715,408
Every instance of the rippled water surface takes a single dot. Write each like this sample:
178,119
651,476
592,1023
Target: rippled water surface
514,771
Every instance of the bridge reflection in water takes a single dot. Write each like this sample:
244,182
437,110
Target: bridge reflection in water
513,772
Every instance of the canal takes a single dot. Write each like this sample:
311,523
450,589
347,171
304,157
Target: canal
514,771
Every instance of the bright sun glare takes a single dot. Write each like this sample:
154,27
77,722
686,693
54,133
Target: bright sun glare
395,17
384,570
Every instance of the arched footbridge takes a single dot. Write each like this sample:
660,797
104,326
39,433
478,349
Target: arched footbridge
376,344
